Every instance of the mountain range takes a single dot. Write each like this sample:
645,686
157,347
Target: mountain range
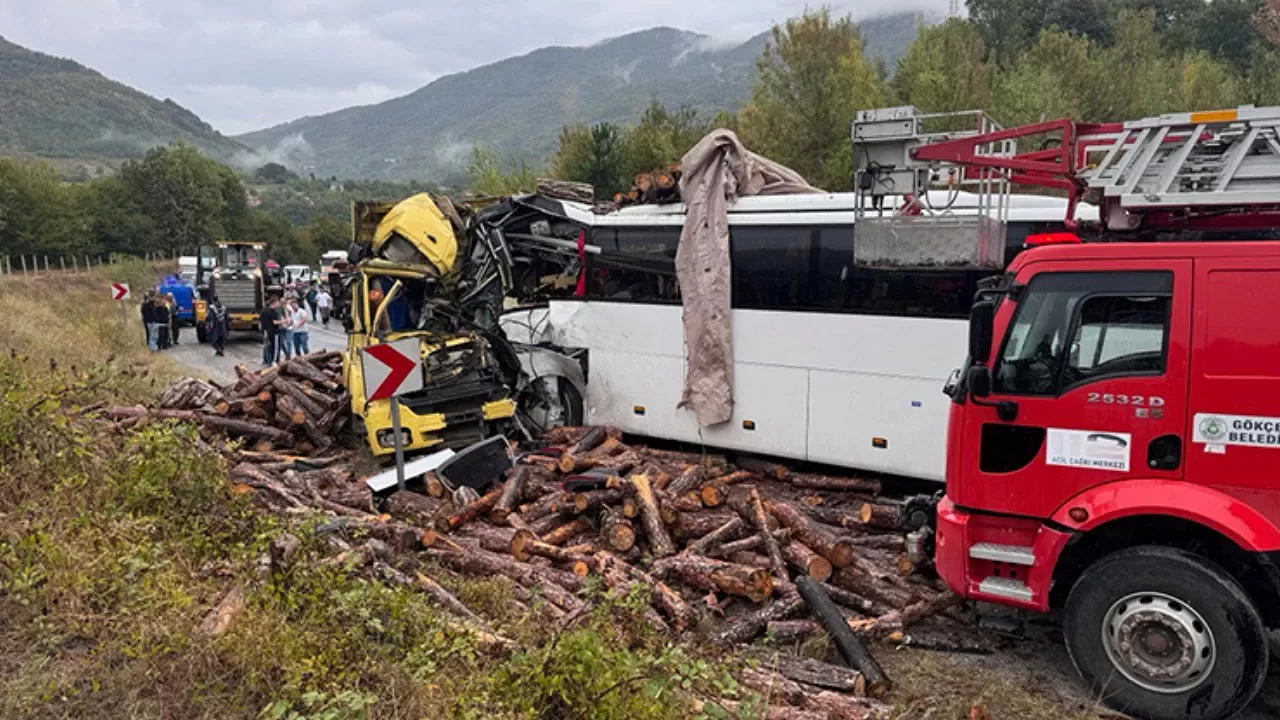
57,108
52,107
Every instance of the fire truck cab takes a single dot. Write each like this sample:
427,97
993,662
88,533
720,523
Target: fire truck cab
1111,451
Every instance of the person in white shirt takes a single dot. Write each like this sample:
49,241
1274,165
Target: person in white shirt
323,303
298,318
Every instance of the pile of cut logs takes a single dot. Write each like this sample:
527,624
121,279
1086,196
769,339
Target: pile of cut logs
726,551
297,406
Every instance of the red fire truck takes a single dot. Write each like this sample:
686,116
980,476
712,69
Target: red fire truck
1112,433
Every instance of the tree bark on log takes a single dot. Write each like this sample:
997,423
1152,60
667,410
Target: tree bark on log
837,550
660,542
836,484
881,516
731,529
616,531
867,586
792,630
240,428
799,556
413,508
745,628
562,533
850,647
510,497
555,584
669,600
470,511
708,574
760,466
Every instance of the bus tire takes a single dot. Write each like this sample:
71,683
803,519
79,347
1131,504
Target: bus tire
1165,634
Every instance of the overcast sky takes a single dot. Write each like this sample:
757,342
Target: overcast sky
247,64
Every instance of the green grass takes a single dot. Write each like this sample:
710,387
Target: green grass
115,546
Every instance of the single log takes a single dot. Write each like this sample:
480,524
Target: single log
687,481
621,584
566,435
832,705
293,412
841,517
746,627
850,647
493,539
750,559
819,674
695,525
861,583
557,586
617,531
799,556
240,428
219,621
712,494
881,516
470,511
690,502
413,508
709,574
566,190
435,488
905,565
561,534
855,602
731,529
880,542
545,524
630,509
357,496
836,484
792,630
591,440
898,620
734,709
447,599
585,502
837,550
660,542
260,380
760,466
512,490
305,370
761,522
524,545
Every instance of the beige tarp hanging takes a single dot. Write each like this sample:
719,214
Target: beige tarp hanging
716,171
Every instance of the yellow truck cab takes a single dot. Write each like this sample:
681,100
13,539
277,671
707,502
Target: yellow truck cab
410,250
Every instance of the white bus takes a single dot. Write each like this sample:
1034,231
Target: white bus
833,363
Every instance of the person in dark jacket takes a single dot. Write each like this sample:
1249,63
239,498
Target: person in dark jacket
149,322
219,327
270,331
163,318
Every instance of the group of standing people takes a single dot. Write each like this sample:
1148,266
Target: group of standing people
286,329
159,319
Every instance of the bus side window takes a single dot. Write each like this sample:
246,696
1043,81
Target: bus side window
832,268
771,266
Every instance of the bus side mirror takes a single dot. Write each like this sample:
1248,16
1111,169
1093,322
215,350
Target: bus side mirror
979,381
981,323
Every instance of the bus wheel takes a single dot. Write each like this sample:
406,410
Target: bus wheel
202,332
549,402
1165,634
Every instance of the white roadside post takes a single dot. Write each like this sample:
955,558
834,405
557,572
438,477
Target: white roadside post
391,370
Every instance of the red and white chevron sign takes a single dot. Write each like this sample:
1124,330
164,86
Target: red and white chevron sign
119,291
391,369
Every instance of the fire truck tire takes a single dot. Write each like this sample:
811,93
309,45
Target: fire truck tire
1165,634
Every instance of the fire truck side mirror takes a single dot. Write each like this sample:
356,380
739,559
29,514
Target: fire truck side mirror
979,381
981,322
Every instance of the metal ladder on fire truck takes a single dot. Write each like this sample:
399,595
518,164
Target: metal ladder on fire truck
1198,170
1217,170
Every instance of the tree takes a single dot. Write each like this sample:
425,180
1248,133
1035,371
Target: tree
488,177
190,199
1005,26
594,155
1207,82
661,138
1267,20
811,80
273,173
1136,71
1057,77
1225,28
38,213
945,69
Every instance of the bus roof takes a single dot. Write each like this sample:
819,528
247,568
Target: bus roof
821,209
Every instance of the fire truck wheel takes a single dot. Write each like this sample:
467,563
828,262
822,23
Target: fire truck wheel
1165,634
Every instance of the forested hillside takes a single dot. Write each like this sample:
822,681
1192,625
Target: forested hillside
517,106
53,107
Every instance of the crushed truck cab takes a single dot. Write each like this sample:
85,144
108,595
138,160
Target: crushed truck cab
409,253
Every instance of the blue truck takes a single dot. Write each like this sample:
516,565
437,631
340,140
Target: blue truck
184,295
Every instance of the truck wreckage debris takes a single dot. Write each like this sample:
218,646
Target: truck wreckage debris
747,560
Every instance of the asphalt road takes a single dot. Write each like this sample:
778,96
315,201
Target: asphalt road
243,348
